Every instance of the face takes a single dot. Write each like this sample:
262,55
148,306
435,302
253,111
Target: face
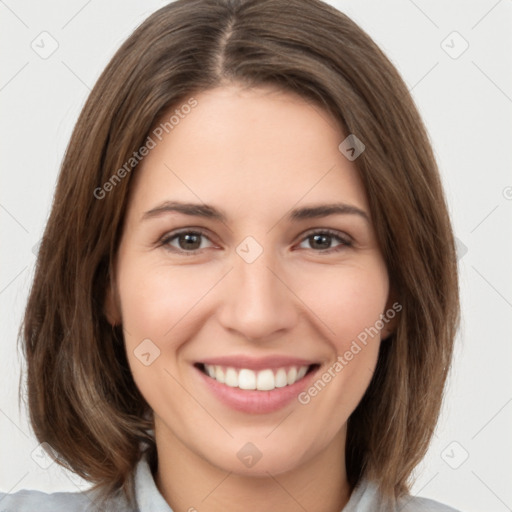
226,304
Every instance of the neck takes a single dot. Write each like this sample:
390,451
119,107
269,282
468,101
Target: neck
188,482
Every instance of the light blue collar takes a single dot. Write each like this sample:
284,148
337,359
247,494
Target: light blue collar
364,498
147,494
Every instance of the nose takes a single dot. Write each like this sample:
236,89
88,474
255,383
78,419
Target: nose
259,302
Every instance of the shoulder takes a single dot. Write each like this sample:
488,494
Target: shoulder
26,500
416,504
147,497
366,497
29,501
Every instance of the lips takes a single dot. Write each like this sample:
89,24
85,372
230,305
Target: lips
256,385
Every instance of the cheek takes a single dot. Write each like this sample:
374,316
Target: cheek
162,304
350,305
155,298
157,310
348,300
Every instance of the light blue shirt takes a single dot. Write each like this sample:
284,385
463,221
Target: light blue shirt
364,498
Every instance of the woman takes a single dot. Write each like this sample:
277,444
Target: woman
246,294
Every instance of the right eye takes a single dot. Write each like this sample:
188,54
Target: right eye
186,241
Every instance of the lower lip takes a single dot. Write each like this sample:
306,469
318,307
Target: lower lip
253,401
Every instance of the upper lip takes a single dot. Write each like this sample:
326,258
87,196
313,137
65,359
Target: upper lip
257,363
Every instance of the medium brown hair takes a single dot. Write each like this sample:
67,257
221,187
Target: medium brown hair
82,398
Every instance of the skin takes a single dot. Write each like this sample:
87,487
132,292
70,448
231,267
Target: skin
255,154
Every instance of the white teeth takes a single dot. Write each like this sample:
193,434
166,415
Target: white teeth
292,375
281,379
263,380
302,371
231,378
246,379
266,380
219,374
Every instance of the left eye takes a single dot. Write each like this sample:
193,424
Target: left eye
322,240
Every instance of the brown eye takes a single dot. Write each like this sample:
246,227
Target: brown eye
321,241
184,241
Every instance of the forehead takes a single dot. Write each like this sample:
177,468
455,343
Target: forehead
252,149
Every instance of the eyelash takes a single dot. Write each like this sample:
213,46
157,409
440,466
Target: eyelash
345,241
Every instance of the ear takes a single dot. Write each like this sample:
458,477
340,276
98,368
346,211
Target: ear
390,315
111,304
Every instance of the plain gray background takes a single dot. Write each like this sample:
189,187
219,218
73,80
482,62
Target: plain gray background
465,98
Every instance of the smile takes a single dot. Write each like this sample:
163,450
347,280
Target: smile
256,385
263,380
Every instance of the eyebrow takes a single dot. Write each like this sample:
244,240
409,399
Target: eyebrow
210,212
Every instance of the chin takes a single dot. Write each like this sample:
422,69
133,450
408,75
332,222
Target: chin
258,459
